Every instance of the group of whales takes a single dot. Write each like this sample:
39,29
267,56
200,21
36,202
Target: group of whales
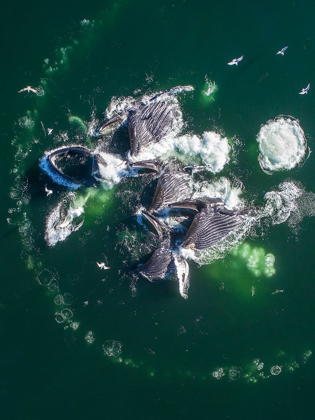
148,123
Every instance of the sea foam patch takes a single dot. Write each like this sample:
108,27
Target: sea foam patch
282,144
211,149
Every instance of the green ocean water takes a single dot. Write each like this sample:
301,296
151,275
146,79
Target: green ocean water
195,358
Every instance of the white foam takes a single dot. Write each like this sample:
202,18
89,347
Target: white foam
282,144
120,106
112,169
211,87
220,188
280,204
211,150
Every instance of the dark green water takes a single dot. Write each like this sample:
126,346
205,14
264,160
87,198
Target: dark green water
171,347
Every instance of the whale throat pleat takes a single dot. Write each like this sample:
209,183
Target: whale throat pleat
156,267
208,228
149,124
171,187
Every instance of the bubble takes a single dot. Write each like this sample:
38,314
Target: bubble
235,373
67,313
112,348
53,285
26,122
259,365
74,325
90,337
59,300
68,298
306,356
218,374
85,22
45,277
276,370
282,144
60,318
182,330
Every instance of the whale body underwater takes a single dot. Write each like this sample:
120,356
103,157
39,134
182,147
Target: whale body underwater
148,123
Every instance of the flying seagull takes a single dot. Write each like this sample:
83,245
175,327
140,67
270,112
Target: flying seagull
235,61
28,89
304,91
102,266
48,192
281,52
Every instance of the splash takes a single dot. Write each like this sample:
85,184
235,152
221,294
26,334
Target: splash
282,144
111,169
209,90
60,222
221,188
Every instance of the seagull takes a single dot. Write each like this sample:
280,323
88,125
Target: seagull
281,52
49,131
102,266
28,89
48,192
235,61
305,90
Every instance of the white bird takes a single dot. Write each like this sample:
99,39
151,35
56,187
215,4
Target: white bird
102,266
28,89
49,131
235,61
305,90
48,192
281,52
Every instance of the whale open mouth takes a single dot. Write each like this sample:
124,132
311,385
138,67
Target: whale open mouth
72,163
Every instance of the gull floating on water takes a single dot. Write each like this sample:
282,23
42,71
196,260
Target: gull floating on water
28,89
235,61
281,52
305,90
48,192
102,266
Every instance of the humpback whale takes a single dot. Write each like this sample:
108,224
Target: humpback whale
164,260
149,123
212,223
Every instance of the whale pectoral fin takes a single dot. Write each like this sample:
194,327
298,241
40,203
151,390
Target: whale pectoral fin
182,272
160,227
187,204
146,164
